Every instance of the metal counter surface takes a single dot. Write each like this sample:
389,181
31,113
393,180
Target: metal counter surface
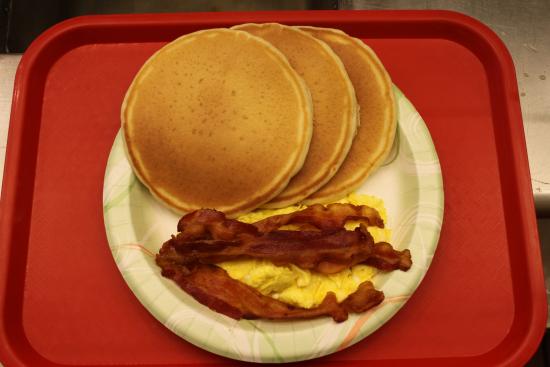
524,26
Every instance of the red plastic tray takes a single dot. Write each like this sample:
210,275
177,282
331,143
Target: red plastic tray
62,299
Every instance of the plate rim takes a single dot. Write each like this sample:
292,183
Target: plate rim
389,311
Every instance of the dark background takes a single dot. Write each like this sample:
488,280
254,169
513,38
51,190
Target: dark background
23,20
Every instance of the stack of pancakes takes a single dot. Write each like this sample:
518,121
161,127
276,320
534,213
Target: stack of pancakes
259,115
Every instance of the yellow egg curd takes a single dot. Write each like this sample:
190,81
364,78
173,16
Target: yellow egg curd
297,286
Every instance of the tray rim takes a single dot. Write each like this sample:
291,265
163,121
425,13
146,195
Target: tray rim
39,56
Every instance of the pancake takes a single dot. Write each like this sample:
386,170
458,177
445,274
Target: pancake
204,115
377,110
334,107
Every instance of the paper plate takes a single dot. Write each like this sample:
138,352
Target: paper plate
136,224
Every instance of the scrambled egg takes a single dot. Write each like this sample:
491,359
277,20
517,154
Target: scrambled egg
297,286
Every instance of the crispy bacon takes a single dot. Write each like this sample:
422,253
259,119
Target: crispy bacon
207,237
327,251
332,216
385,258
214,288
212,224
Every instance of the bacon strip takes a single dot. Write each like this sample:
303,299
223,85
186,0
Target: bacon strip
214,288
385,258
332,216
327,252
207,237
212,224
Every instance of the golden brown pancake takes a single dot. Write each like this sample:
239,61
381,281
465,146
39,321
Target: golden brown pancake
334,107
217,119
377,110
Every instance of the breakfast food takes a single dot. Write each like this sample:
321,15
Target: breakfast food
300,287
222,118
334,107
332,216
219,123
296,286
202,113
207,237
378,114
211,286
